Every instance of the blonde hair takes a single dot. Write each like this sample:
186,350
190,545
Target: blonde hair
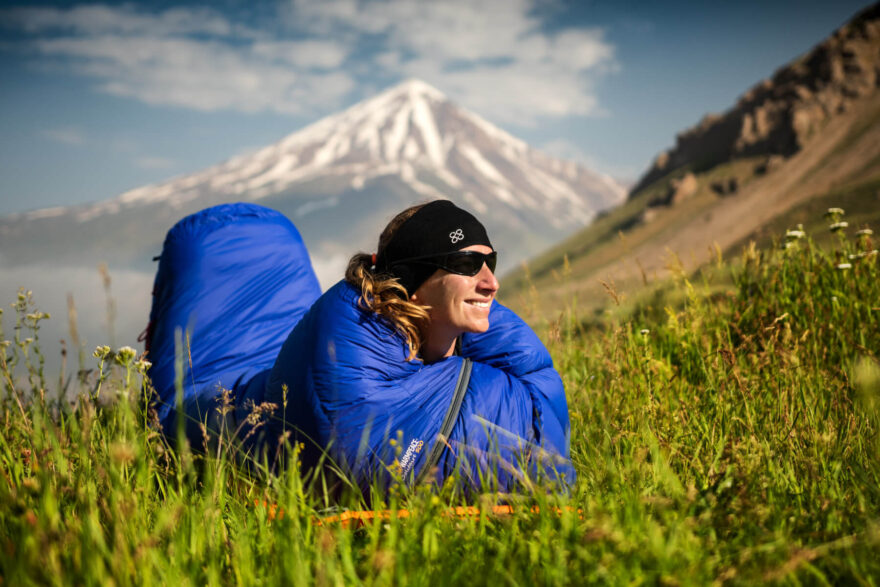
382,293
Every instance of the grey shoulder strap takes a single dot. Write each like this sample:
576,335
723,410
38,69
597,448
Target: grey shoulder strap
464,377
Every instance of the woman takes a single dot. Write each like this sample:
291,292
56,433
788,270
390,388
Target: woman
408,368
375,384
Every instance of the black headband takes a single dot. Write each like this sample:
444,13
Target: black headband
438,228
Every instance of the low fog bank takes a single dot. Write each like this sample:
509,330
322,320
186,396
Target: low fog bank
130,293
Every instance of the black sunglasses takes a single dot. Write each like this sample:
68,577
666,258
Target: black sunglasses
461,262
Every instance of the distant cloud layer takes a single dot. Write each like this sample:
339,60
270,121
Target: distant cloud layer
493,57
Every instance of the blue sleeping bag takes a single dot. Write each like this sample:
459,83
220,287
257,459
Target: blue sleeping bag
351,390
236,282
233,280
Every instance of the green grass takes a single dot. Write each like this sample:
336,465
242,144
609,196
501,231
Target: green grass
861,200
724,430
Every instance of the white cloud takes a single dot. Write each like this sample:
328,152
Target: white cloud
493,56
188,57
198,74
66,135
308,54
515,93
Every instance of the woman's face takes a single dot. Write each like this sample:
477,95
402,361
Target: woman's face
458,303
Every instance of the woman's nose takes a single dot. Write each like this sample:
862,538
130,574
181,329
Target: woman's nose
487,280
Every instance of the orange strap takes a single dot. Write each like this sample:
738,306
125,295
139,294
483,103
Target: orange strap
359,519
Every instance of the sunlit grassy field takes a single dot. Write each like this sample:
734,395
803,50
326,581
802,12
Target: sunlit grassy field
728,436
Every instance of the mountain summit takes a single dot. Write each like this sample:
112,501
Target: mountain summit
416,134
340,180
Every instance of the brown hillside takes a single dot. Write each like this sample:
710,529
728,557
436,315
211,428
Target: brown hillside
806,139
779,115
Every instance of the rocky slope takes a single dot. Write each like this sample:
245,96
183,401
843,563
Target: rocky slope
779,115
790,147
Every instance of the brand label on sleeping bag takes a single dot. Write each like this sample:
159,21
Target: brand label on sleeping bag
409,457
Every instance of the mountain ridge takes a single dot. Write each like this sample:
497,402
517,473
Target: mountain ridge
706,199
776,116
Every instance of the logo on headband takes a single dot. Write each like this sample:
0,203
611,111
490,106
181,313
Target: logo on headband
456,236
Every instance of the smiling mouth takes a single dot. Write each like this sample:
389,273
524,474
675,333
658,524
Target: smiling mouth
479,304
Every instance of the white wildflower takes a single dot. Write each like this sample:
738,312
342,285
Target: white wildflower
856,256
645,332
142,365
125,355
834,212
795,234
844,266
838,226
101,352
865,232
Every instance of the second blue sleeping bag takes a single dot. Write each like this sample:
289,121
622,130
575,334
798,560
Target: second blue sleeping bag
232,282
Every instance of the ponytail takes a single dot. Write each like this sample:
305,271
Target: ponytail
383,294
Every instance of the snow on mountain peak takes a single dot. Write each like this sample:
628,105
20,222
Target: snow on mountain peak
340,178
413,132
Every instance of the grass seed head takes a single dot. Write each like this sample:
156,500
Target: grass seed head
122,453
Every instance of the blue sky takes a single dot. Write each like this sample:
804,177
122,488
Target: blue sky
97,99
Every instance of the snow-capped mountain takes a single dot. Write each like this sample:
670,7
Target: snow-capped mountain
340,180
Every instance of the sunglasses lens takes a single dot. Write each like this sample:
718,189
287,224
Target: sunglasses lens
463,264
491,260
469,263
